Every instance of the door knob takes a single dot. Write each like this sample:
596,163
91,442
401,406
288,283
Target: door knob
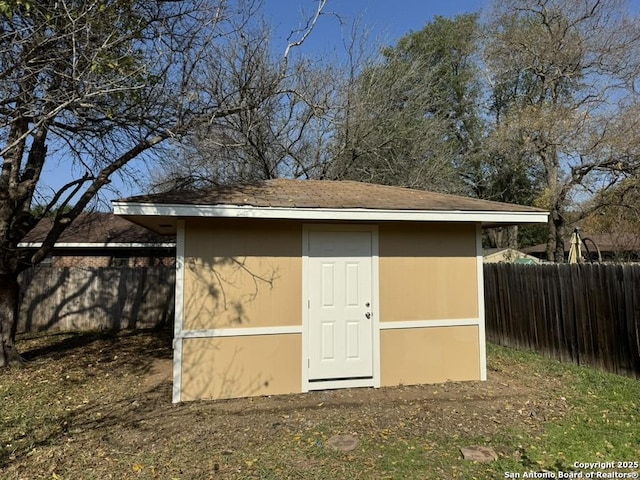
368,314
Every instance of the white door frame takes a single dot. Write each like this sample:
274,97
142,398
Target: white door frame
375,308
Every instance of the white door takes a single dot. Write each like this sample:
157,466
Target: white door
340,289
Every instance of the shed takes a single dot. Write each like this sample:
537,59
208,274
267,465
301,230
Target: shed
509,255
287,286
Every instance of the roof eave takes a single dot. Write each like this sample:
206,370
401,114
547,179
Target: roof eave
123,245
326,214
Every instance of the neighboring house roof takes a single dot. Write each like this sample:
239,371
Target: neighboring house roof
98,229
508,255
606,242
324,200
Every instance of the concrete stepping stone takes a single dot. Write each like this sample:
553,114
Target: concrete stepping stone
343,443
479,454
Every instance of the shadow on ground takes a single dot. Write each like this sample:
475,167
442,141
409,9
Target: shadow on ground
62,344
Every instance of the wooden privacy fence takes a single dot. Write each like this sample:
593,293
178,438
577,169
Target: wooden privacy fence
76,298
587,314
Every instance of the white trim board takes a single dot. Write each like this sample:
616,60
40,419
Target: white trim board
454,322
375,306
179,312
242,332
481,325
304,387
342,214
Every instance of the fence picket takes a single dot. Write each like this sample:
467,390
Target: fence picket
74,298
586,314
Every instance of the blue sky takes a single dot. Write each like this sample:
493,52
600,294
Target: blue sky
388,20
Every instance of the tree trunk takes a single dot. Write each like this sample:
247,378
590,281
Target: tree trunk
551,240
9,298
512,237
504,237
555,240
559,231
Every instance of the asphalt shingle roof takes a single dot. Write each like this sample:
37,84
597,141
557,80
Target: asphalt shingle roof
98,227
286,193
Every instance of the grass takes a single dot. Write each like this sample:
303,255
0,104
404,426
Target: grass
97,406
601,425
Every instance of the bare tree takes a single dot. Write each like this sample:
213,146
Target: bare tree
563,75
278,138
99,84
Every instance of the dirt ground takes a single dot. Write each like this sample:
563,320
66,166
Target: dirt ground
99,406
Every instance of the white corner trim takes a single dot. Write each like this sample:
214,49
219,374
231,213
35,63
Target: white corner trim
375,274
343,214
481,325
453,322
176,396
242,332
179,312
305,310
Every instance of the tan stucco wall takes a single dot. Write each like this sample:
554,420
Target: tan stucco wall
411,356
428,272
231,367
242,274
248,273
